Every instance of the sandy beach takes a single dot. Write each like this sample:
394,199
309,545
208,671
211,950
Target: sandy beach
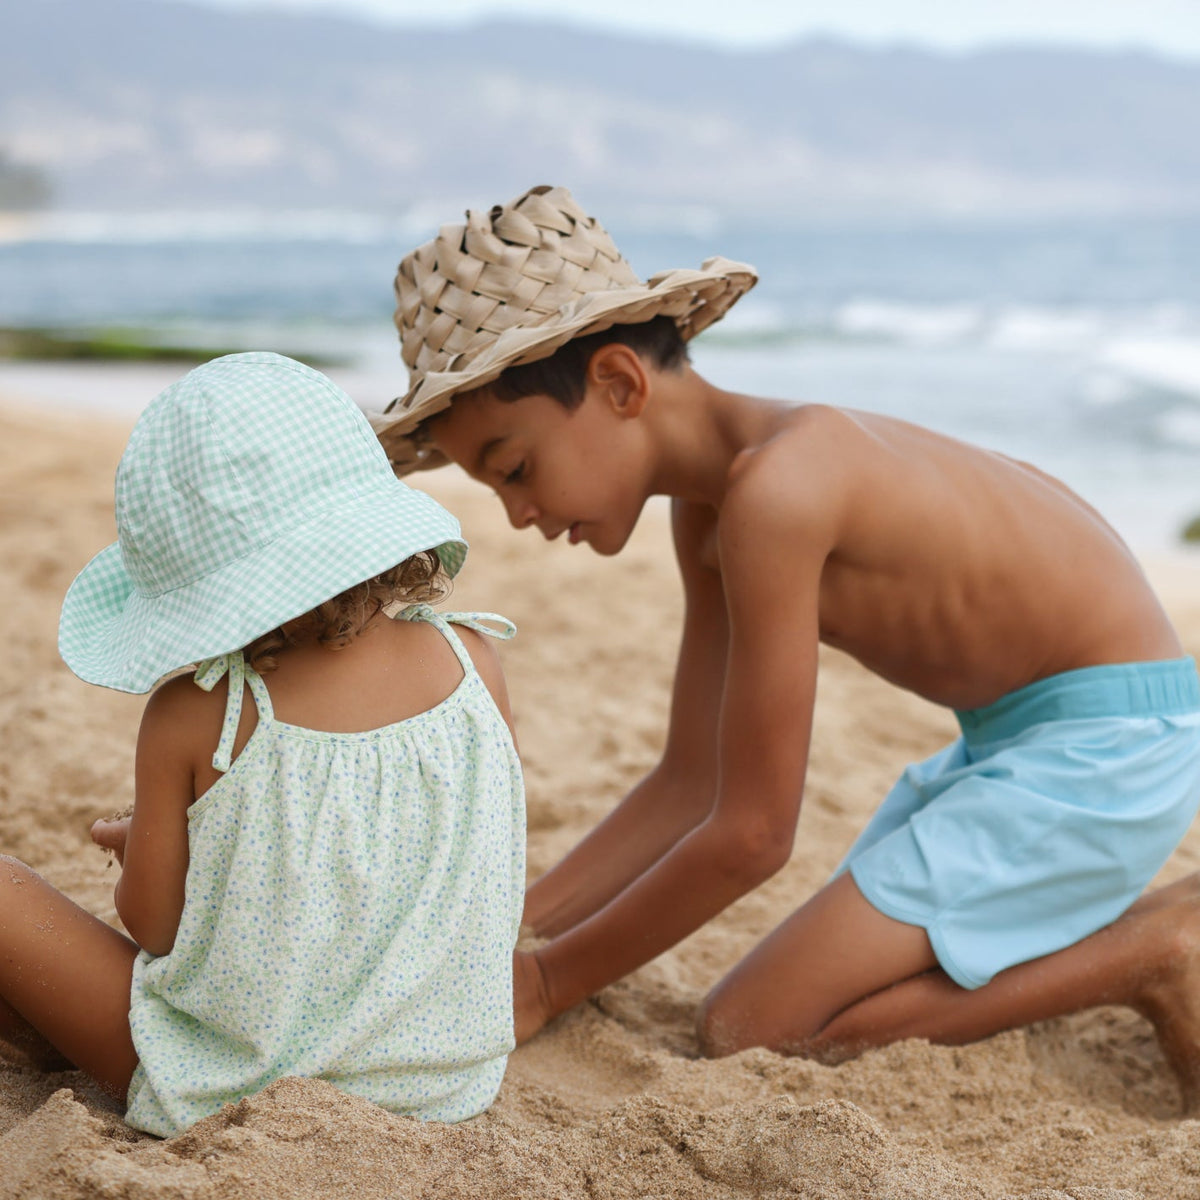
612,1100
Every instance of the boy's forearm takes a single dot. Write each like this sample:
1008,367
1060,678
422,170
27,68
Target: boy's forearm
701,876
651,820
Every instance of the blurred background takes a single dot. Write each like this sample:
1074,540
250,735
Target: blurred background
982,217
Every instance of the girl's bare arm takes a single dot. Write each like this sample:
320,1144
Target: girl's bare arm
150,892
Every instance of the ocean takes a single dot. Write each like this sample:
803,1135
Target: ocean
1072,345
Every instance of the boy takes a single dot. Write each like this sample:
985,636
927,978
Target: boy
986,891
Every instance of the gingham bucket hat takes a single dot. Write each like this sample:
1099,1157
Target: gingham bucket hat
250,492
511,286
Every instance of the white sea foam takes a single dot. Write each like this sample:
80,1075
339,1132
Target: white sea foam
1171,363
926,325
1047,329
1017,328
756,317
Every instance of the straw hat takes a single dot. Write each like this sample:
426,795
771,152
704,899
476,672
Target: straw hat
250,492
511,286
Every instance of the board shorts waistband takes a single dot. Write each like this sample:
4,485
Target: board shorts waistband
1161,688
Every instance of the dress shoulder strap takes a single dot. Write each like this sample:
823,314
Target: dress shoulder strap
208,674
491,624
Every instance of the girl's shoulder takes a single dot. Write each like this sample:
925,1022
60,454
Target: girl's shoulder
182,721
178,701
482,650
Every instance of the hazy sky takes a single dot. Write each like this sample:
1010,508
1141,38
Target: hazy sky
1171,26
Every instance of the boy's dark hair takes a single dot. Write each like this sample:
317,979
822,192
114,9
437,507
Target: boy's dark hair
564,374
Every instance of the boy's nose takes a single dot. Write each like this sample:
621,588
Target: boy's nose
521,513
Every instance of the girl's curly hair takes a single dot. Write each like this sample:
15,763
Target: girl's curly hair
338,621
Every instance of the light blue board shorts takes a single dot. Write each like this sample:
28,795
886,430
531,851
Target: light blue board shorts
1044,821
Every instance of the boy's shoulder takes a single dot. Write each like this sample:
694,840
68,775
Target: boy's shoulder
789,484
805,457
797,454
814,482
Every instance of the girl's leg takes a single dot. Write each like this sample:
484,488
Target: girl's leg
64,975
22,1036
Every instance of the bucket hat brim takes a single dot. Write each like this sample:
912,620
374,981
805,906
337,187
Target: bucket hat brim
113,635
250,492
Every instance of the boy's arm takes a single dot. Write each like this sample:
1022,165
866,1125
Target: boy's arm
774,537
149,895
678,794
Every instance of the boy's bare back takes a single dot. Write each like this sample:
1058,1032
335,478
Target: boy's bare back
953,571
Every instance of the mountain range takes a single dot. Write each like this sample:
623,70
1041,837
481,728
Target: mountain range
146,104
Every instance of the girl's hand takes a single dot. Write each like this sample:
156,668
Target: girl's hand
531,1006
112,835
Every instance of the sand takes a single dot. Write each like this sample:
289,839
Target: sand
612,1099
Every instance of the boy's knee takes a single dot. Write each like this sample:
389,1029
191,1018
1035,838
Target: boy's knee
729,1020
717,1030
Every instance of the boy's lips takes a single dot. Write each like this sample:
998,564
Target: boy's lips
574,532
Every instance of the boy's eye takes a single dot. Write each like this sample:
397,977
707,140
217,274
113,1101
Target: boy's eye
516,474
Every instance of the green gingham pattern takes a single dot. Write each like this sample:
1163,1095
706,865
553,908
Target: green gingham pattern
250,492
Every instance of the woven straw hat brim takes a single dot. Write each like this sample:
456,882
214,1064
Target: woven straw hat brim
113,635
694,299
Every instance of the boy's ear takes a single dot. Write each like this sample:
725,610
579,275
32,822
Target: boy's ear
620,378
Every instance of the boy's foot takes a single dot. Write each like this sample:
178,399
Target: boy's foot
1169,995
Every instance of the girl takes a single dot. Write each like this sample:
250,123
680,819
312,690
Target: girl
323,871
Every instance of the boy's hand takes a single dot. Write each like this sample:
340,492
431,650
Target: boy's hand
112,835
531,1007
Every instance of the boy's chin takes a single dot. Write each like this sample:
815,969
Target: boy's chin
607,542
